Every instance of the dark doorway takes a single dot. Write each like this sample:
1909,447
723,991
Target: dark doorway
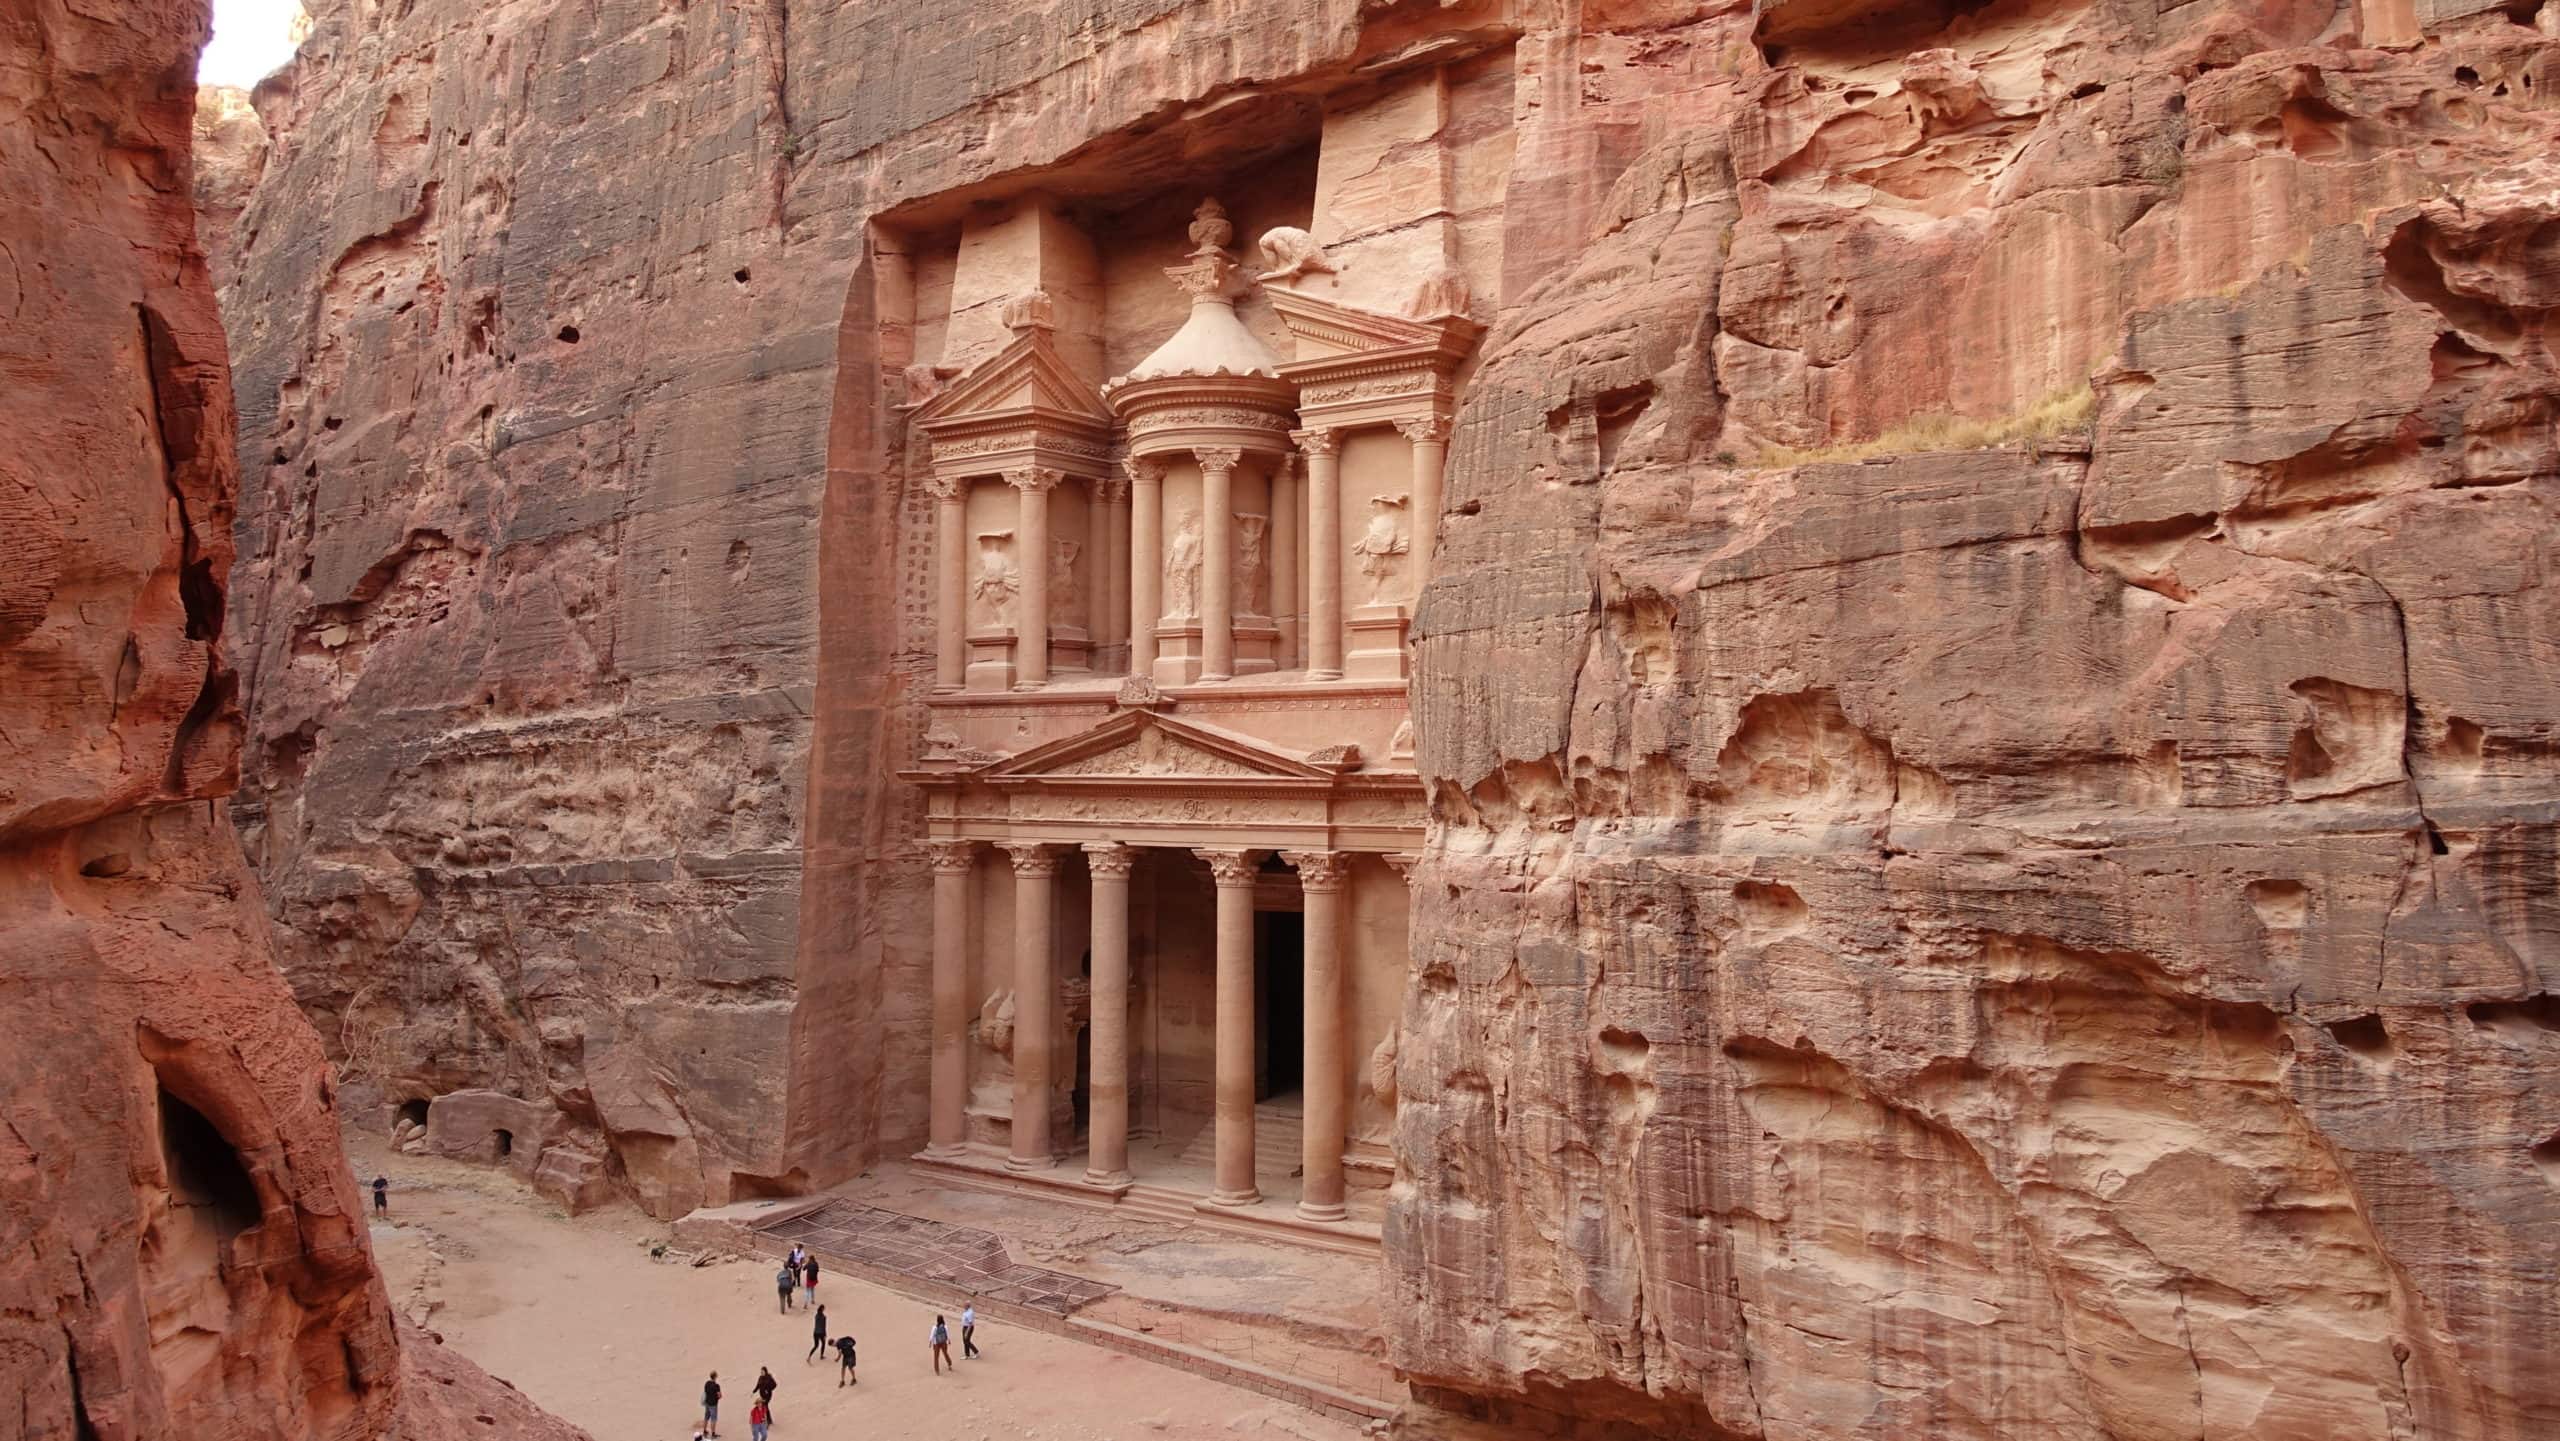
1279,1003
1082,1095
506,1144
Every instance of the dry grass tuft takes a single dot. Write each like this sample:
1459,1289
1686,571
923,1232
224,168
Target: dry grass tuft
2050,416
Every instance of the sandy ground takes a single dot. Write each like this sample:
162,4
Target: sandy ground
577,1315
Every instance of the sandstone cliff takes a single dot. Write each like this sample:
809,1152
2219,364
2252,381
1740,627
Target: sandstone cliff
181,1253
1989,696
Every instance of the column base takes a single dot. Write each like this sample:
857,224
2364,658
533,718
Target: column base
1248,1197
1028,1163
1310,1212
953,1152
1324,675
1110,1181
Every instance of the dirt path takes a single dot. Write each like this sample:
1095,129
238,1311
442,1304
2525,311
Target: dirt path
577,1315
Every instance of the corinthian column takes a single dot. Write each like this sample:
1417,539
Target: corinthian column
1146,562
947,1130
1233,871
1031,639
950,582
1430,437
1217,561
1284,560
1323,641
1107,1150
1328,1097
1035,888
1109,601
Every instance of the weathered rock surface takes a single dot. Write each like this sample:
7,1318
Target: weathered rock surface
1990,692
2053,940
181,1253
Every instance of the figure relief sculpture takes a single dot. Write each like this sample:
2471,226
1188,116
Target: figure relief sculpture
1182,557
1292,253
1379,546
1253,565
992,590
1062,578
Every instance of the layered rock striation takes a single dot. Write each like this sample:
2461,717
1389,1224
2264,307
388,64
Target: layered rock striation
1987,693
181,1249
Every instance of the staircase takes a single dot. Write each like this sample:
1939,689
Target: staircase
1279,1138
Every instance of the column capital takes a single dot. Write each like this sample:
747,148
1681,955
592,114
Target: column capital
1111,489
1424,429
1032,858
1218,457
1231,867
951,858
1142,470
1318,870
1029,478
1403,862
1317,441
944,487
1109,860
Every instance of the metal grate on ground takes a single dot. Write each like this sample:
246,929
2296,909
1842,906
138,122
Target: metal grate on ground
969,1261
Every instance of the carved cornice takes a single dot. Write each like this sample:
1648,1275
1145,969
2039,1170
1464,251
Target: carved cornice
1032,858
1317,870
951,858
1231,868
1109,860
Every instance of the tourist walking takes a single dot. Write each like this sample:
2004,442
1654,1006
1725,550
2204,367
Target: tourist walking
765,1387
817,1338
809,1277
759,1420
711,1405
969,1330
844,1361
782,1283
942,1347
382,1195
799,1253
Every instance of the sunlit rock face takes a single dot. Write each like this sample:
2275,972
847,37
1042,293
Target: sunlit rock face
181,1250
1987,690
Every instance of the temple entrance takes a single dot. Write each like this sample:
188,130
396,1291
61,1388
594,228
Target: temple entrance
1279,1003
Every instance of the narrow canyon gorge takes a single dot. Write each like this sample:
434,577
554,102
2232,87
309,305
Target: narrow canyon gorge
1839,720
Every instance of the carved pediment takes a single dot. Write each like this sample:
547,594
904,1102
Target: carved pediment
1025,379
1142,744
1327,328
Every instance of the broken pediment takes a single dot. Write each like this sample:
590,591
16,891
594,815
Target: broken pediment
1027,380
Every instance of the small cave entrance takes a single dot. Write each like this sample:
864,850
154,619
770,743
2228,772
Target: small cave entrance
205,1173
502,1144
413,1111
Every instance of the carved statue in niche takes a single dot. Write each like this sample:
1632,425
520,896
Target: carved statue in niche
1379,546
992,590
1062,579
1373,1101
1253,564
1182,570
1291,253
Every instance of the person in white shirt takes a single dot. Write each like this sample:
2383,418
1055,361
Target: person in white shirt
969,1330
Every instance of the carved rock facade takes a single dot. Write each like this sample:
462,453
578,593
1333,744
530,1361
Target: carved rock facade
1984,688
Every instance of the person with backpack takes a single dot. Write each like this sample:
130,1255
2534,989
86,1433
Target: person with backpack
783,1282
817,1338
844,1361
941,1339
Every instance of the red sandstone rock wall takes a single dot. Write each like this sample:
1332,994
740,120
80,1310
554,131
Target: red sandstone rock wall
181,1250
1990,693
2048,940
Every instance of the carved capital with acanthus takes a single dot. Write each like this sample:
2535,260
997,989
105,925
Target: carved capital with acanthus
1425,429
1317,442
1033,858
1142,470
1318,870
1111,489
1034,479
951,858
1109,860
943,487
1403,862
1231,867
1218,457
